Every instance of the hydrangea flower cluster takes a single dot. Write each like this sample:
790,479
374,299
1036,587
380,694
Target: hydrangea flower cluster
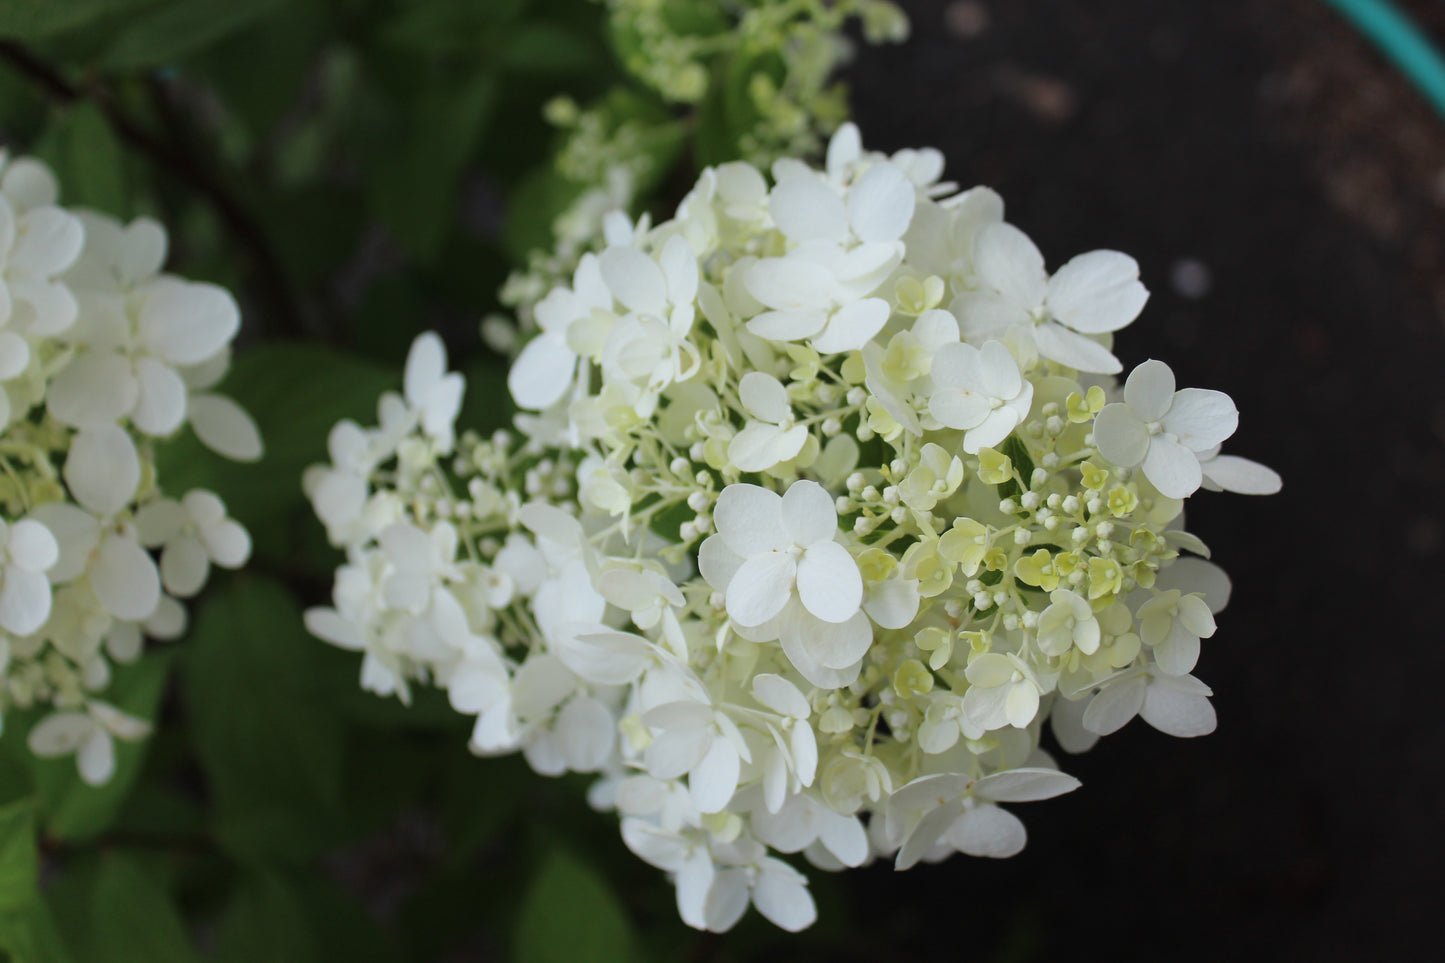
102,358
823,499
609,149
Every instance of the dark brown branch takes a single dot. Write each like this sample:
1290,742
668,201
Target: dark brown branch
237,220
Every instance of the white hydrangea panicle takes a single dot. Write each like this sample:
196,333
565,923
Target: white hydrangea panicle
123,347
821,503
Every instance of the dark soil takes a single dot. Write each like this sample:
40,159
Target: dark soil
1284,191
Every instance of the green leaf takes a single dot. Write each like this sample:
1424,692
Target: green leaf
36,19
570,916
296,392
1013,446
182,27
550,48
264,922
91,164
422,149
135,919
72,809
19,859
30,935
269,744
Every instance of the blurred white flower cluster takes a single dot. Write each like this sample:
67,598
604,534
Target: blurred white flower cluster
823,500
102,357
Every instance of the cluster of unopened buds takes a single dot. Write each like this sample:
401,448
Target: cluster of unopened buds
823,498
102,358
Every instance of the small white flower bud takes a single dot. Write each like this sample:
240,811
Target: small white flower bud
698,502
1071,504
1029,500
856,396
1022,536
1008,506
831,427
854,482
679,466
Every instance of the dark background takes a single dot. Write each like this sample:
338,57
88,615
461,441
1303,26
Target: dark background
1283,190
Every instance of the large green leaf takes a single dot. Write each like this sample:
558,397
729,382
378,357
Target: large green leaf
264,922
421,148
269,744
91,165
181,27
19,860
296,392
70,808
570,916
29,935
135,920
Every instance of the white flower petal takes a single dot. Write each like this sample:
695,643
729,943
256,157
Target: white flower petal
60,734
125,579
880,204
926,834
97,388
96,759
75,531
1097,292
1241,475
675,752
24,600
764,397
426,365
780,695
789,283
635,280
1150,390
1121,436
48,241
829,584
1058,343
1028,784
161,404
750,520
762,586
228,544
587,733
806,209
329,626
852,326
781,895
542,372
715,778
1114,706
103,469
33,546
224,427
1177,713
1007,261
840,645
28,183
184,566
142,251
187,322
1172,468
14,350
987,830
1201,418
893,603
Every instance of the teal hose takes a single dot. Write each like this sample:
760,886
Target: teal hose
1402,42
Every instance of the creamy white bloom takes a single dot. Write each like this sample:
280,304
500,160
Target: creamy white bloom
979,390
1162,430
1092,294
